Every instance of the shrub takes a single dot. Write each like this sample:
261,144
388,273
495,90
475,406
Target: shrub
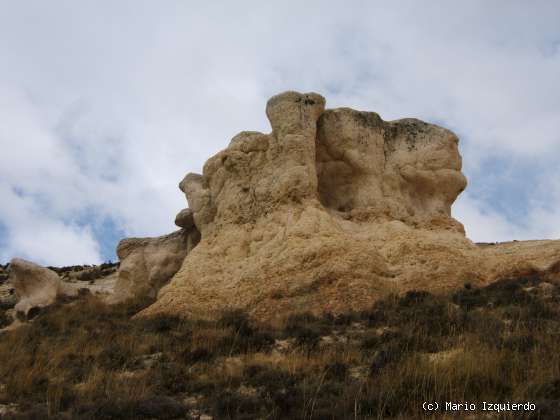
228,404
5,320
336,370
243,336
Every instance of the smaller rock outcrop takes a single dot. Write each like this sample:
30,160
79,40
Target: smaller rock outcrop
147,264
35,286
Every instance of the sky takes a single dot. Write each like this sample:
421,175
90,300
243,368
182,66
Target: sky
106,105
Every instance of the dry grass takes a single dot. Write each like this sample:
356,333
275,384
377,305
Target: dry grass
87,360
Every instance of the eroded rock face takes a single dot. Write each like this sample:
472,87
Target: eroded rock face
149,263
35,286
399,170
330,211
257,173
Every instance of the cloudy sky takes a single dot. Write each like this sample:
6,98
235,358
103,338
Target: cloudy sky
106,105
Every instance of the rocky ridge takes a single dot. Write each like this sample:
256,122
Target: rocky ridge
331,211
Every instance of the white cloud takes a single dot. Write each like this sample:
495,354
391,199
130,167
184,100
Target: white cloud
105,106
483,224
41,237
541,220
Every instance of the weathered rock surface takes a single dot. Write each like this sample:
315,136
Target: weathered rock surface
330,211
35,286
400,170
149,263
184,219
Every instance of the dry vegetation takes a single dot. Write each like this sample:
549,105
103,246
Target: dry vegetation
85,360
86,272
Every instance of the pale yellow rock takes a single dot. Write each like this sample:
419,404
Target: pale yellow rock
329,212
146,264
405,170
35,286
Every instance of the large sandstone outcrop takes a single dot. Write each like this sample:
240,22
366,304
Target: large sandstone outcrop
35,286
330,211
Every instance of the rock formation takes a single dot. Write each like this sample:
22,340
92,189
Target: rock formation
35,286
403,170
149,263
330,211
